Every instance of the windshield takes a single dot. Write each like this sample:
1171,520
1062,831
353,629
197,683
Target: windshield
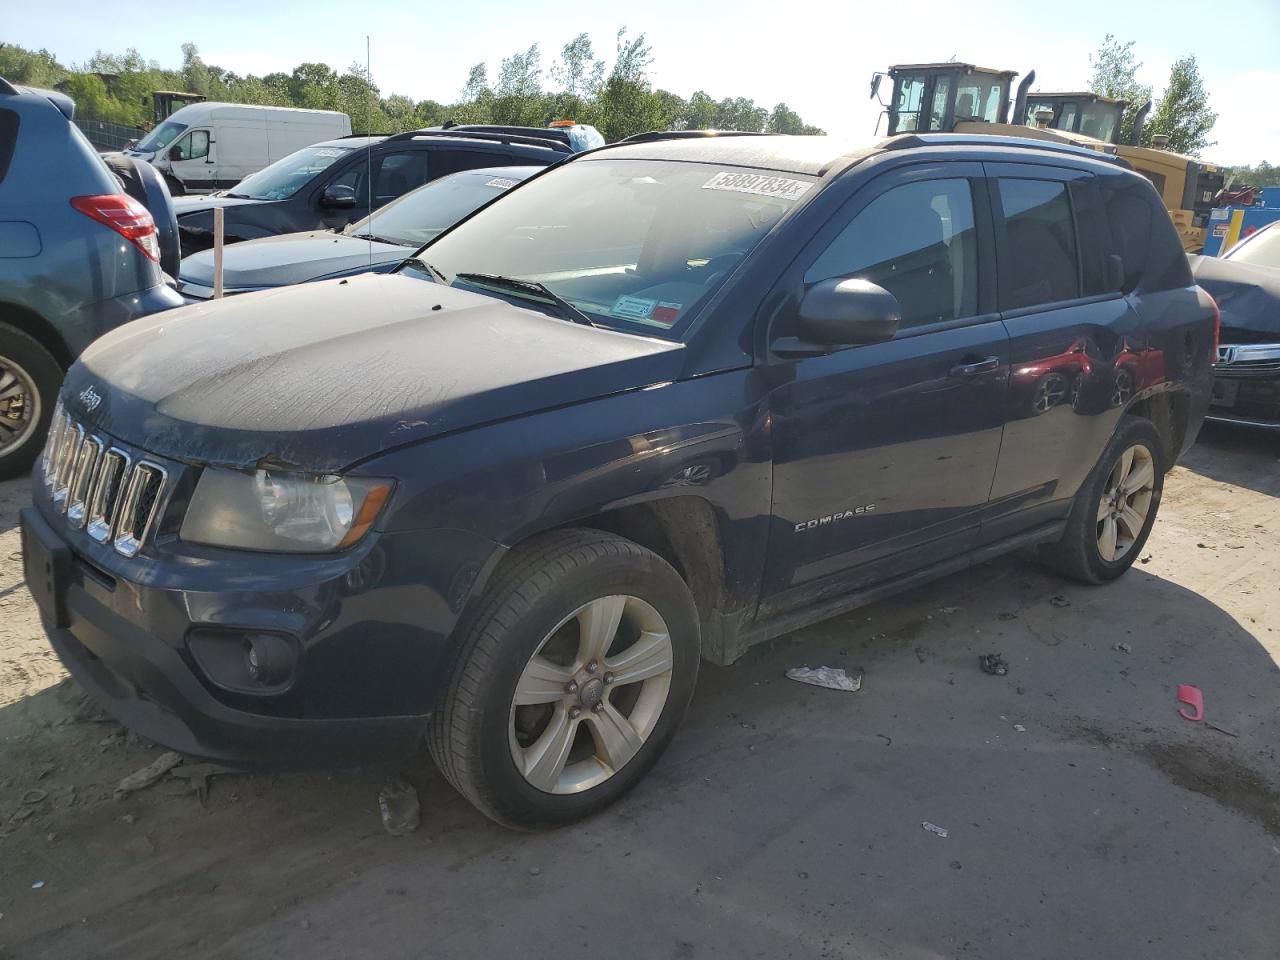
1262,250
635,244
1099,120
161,136
422,215
286,177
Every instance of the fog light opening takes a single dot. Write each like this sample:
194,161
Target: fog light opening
267,659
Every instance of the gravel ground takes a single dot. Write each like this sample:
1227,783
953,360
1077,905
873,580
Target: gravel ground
1083,816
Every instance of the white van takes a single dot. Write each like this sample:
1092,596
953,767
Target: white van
206,146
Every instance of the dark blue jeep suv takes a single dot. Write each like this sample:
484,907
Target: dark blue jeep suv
658,403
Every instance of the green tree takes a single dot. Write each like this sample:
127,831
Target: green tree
1115,74
1183,113
517,98
578,73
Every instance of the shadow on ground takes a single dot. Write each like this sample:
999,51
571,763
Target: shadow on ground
784,821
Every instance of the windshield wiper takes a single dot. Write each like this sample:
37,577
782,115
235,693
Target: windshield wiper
238,196
372,236
530,290
435,274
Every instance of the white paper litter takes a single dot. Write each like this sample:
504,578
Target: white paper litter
934,828
833,678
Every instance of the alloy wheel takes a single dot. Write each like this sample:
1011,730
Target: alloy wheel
19,405
591,695
1126,502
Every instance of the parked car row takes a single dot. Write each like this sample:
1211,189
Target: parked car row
661,401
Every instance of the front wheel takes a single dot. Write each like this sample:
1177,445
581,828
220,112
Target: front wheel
1115,507
570,681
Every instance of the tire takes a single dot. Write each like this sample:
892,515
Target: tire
176,189
482,741
26,366
1080,553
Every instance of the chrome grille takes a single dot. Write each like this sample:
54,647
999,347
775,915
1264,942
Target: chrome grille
100,487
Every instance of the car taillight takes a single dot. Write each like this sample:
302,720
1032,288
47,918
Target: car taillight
126,217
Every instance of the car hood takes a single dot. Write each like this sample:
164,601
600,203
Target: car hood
319,376
289,258
1247,295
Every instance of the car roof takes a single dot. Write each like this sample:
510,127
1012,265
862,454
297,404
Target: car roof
818,155
792,154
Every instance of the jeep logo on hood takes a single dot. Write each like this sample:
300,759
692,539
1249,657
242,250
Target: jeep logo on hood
91,399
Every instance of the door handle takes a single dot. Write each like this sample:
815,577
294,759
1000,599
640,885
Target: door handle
976,367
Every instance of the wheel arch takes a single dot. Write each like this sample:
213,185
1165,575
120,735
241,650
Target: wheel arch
38,328
1170,411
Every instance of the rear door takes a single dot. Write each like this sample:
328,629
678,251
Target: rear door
884,453
1072,343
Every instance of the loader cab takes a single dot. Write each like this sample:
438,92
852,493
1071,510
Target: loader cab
1084,113
943,97
164,103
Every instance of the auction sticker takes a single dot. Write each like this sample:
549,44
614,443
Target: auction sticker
503,182
633,308
785,188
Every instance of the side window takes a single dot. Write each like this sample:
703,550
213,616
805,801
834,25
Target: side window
8,139
395,174
193,146
1092,232
910,102
918,242
352,177
451,161
1129,216
1040,244
941,95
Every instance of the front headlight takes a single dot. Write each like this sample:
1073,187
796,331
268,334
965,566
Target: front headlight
282,512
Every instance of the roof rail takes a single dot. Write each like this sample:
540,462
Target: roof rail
558,134
652,135
907,141
545,142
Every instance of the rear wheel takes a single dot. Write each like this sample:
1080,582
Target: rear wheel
29,381
1115,508
570,681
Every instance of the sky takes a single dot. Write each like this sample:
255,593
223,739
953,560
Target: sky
816,57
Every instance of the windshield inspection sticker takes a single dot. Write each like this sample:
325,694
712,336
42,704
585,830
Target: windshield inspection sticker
633,308
784,188
329,152
665,313
503,182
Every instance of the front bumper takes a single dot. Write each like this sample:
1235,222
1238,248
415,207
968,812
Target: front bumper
1246,386
372,648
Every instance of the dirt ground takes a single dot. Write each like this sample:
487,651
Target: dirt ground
1084,817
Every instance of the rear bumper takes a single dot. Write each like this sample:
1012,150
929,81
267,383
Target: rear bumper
98,318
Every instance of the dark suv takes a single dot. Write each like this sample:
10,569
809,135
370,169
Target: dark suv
657,404
329,185
78,256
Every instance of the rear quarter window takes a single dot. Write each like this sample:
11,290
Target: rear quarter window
8,140
1143,235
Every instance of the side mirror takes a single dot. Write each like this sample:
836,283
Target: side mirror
338,196
1113,272
842,313
875,84
175,152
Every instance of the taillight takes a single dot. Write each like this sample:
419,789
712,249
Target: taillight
126,216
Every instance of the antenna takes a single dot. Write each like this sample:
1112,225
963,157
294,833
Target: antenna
368,156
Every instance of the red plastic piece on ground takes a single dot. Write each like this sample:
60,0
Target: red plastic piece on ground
1193,698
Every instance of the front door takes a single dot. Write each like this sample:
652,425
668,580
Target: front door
191,160
884,454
